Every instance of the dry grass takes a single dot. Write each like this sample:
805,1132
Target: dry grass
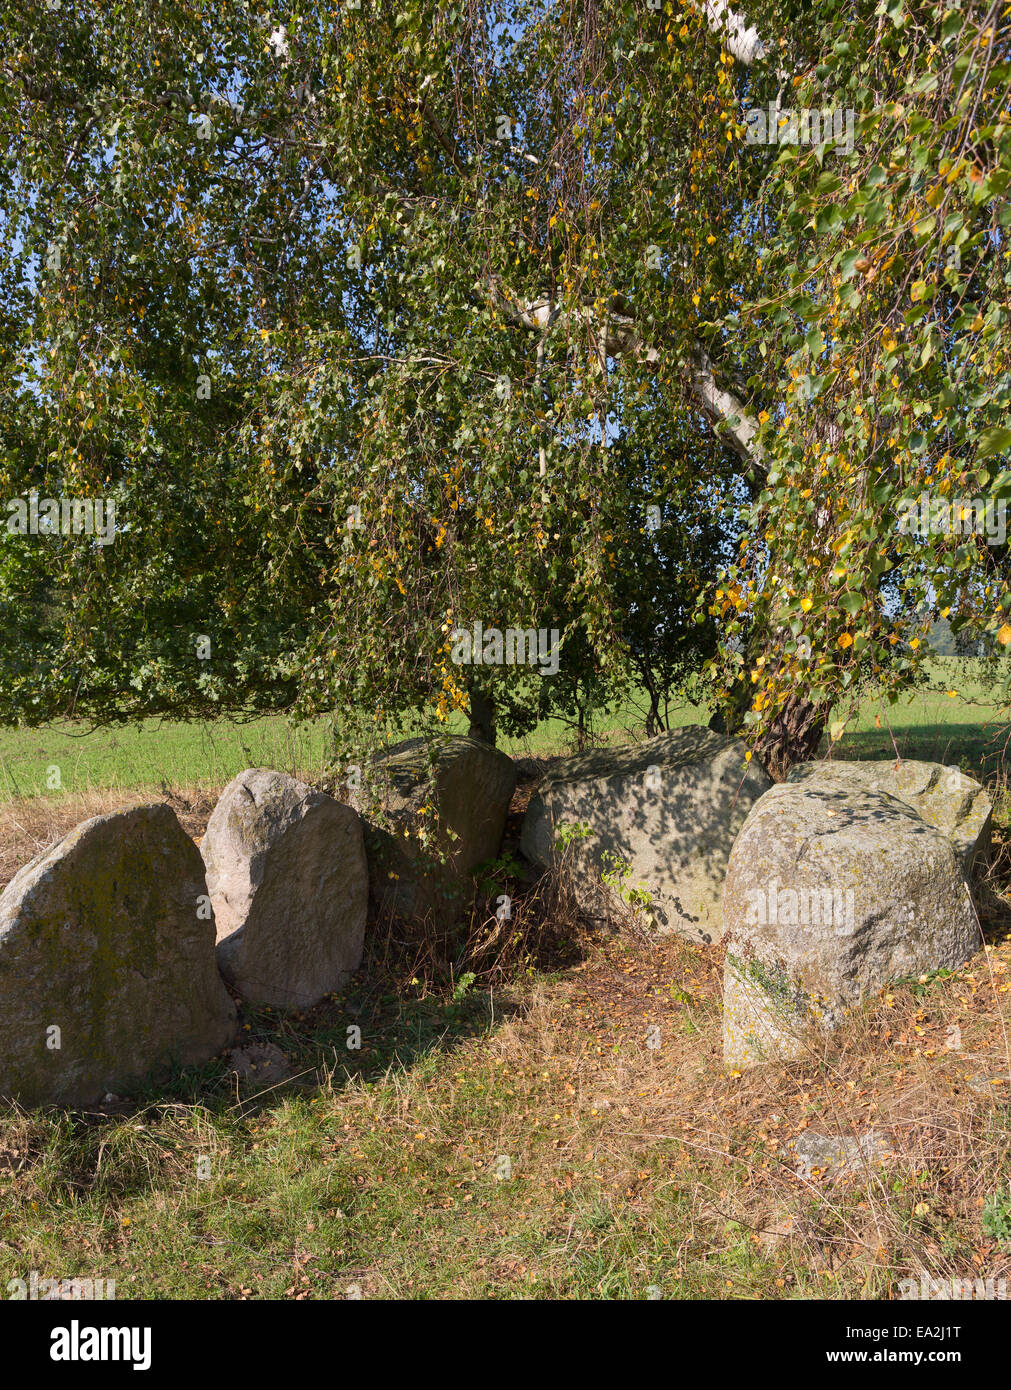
594,1064
941,1109
636,1161
30,825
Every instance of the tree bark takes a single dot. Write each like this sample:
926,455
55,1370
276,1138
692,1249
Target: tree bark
793,737
482,716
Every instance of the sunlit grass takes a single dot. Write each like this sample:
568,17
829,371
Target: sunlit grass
928,723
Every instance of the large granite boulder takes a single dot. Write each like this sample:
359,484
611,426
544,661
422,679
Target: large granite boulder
288,880
833,890
459,784
661,817
107,969
943,796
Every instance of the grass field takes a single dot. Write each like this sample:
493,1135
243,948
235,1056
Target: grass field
927,724
560,1125
152,754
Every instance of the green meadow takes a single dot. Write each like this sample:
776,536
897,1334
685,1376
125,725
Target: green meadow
953,717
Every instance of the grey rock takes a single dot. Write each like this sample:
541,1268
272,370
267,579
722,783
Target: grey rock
944,796
288,879
665,811
258,1065
106,938
470,785
832,892
833,1156
993,1085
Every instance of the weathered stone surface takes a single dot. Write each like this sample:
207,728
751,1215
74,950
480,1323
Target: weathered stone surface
258,1066
470,784
834,1156
831,892
668,808
997,1086
287,876
106,938
944,796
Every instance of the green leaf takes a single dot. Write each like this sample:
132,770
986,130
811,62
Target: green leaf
847,264
995,441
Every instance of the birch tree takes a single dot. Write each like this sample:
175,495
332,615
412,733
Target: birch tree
436,264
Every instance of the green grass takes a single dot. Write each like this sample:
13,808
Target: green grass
208,753
180,754
928,723
631,1173
388,1181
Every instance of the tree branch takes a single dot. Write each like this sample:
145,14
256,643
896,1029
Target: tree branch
728,415
732,28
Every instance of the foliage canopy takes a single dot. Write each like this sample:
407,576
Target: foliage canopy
375,321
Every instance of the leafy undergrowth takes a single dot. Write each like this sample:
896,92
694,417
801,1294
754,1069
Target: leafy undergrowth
572,1135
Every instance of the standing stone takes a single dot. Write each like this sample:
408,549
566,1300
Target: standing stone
287,876
469,784
832,891
666,811
107,968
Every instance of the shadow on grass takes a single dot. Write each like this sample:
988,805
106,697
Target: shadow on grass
978,748
420,992
127,1146
357,1036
